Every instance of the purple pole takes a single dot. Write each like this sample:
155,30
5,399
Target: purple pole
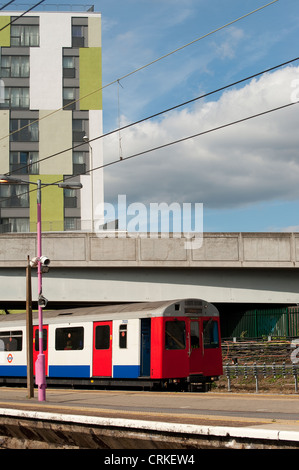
40,377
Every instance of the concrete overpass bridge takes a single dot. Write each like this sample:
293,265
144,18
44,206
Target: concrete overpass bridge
228,269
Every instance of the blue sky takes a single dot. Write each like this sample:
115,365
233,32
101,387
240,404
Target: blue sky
246,175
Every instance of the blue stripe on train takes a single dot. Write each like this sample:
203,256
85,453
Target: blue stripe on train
126,372
13,371
69,371
129,372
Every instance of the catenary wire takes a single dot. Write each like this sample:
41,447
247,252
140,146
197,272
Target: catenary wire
196,40
225,87
6,5
183,139
168,144
141,68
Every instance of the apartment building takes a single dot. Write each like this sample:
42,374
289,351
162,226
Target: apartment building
50,118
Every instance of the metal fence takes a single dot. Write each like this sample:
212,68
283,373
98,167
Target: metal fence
280,322
261,371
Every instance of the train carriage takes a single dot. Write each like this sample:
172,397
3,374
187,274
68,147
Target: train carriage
143,344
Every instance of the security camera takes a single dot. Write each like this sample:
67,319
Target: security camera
44,261
33,262
42,301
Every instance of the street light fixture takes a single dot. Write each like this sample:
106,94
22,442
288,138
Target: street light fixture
40,376
10,180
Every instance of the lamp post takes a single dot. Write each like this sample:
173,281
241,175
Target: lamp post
40,376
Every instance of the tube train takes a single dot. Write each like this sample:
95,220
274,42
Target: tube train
155,344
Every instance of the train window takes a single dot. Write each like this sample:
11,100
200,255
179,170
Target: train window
175,335
36,340
194,333
11,340
122,336
69,338
210,334
102,337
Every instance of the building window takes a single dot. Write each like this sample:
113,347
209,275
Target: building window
24,130
78,36
17,224
15,98
11,340
14,66
69,98
69,69
72,223
14,195
70,338
80,129
79,165
27,36
70,198
23,163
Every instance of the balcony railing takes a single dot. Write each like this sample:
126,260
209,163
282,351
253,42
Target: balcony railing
52,7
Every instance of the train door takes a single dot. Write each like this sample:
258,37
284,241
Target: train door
102,349
195,347
36,346
176,353
145,347
211,347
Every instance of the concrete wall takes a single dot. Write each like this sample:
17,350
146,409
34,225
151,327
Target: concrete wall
221,250
232,268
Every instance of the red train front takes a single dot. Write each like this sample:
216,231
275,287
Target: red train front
186,347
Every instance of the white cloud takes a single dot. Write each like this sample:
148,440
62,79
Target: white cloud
291,228
226,47
257,160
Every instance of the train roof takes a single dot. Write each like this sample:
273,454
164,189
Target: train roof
120,311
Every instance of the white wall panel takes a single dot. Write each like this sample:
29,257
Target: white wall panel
46,61
94,184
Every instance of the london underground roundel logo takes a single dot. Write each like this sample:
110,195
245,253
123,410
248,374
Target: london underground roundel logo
9,358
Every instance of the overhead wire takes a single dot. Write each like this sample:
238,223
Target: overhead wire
198,39
185,103
117,81
7,4
183,139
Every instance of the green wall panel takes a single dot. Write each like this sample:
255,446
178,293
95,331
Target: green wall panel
90,69
52,204
5,33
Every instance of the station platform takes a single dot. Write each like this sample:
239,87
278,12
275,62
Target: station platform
122,419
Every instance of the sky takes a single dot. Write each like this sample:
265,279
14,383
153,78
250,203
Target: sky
244,174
